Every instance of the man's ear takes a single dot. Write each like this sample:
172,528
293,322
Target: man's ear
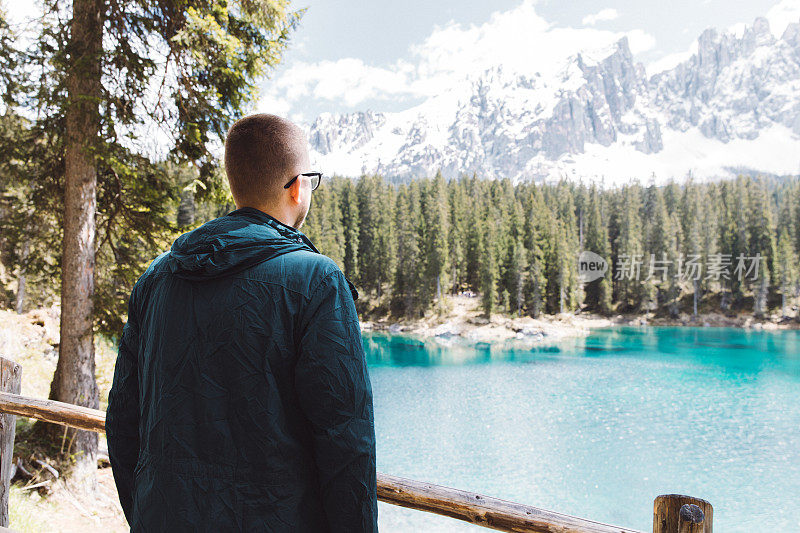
294,191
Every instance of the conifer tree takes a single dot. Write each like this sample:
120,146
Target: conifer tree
350,225
598,292
628,249
693,228
515,255
369,189
489,270
324,223
785,268
572,290
408,275
460,204
535,287
662,246
733,238
476,192
435,235
761,241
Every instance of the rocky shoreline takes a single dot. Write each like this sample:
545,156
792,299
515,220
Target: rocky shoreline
465,322
499,329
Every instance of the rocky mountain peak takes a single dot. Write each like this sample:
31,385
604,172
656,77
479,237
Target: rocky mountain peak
598,117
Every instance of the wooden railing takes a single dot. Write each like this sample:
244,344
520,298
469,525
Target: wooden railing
672,513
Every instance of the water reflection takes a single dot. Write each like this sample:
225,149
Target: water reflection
730,349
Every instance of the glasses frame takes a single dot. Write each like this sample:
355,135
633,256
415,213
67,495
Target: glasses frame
319,179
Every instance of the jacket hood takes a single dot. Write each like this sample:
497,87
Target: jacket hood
234,242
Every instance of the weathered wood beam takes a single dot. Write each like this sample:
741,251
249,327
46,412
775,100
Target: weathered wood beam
53,411
483,510
11,381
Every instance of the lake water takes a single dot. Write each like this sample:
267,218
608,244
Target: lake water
599,426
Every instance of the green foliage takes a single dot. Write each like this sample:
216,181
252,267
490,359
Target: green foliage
350,225
515,245
518,245
627,237
435,228
786,275
407,292
598,292
185,68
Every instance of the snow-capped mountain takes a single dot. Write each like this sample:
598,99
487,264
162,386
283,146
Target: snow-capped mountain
733,106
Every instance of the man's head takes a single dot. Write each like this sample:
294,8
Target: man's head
262,153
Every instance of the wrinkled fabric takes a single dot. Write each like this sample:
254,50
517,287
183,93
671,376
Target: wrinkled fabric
241,399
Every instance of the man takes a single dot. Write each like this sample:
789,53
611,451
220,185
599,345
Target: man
241,399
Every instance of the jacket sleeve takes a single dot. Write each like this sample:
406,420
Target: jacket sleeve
122,414
334,390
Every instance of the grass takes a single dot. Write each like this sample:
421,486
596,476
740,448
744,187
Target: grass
29,512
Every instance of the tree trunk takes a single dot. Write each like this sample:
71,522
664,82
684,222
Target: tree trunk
760,299
74,380
187,209
783,301
19,305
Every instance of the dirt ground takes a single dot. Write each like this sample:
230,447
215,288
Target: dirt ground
64,511
30,340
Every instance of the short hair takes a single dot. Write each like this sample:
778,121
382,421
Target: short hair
260,150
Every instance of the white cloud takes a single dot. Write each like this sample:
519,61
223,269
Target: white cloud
737,29
351,80
640,41
608,13
347,81
782,14
518,40
272,104
670,61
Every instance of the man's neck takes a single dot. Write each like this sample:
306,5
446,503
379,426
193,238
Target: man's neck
277,214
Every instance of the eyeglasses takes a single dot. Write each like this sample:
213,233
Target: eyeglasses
316,178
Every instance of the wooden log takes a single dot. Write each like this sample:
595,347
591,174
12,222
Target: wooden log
691,519
10,381
676,513
475,508
53,411
482,510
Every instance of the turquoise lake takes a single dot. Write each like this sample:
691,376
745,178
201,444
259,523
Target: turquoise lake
597,426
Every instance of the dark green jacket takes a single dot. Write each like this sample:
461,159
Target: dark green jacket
241,399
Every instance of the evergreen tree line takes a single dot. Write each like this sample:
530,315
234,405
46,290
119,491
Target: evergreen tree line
409,245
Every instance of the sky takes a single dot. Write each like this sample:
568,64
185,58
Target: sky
350,55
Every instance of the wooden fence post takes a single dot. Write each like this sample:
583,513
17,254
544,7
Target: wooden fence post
675,513
10,381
